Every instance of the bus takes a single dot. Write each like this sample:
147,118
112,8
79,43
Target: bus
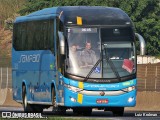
47,73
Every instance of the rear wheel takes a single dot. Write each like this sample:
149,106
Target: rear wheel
26,106
29,107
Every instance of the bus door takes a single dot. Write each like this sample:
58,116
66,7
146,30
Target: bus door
46,75
60,60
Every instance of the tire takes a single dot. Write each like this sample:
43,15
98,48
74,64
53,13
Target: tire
26,106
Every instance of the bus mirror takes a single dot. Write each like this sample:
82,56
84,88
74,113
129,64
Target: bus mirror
62,42
142,44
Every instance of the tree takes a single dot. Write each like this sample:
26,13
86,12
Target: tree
34,5
146,16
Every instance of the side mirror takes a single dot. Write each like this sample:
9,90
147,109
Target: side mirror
142,44
62,42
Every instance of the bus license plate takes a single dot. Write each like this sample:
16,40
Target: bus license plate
100,101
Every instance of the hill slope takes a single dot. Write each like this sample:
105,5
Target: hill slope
5,42
5,48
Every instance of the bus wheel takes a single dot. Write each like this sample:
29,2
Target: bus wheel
57,109
118,111
26,106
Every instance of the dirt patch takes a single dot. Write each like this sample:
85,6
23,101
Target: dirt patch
9,100
3,95
146,101
5,41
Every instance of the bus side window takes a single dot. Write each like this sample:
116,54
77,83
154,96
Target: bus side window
19,36
30,37
15,36
51,35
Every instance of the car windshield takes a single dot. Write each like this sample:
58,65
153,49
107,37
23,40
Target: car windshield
86,49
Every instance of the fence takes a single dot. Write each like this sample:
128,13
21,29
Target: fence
148,77
5,83
5,77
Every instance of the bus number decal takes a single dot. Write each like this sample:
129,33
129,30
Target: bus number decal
29,58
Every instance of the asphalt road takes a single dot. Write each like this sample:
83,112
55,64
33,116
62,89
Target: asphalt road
96,114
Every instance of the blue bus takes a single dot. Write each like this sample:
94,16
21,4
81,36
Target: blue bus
75,57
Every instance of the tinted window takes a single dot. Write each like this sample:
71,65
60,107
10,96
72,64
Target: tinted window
117,34
34,35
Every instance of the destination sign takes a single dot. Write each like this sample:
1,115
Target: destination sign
82,30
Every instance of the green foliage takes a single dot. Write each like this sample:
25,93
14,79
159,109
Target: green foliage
144,13
8,9
34,5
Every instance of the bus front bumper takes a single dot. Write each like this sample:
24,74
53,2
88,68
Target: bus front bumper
75,99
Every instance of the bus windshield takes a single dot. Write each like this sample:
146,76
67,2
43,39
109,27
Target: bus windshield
88,50
118,56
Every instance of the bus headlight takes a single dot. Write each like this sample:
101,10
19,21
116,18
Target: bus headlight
130,99
73,99
129,89
74,89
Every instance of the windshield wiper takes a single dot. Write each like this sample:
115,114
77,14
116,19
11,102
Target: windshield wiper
112,65
93,68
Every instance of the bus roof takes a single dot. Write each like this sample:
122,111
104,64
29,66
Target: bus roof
90,15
